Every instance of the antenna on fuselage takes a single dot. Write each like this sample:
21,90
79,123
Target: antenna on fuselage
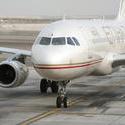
103,19
64,17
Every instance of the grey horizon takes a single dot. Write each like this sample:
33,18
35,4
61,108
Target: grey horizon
53,8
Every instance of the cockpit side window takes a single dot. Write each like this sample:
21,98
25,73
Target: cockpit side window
70,41
45,41
59,41
76,41
37,40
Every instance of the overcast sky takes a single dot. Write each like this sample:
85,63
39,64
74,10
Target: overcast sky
58,7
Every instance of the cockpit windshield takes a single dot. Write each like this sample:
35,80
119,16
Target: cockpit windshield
57,41
45,41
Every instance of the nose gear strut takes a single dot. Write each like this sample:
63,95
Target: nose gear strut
62,96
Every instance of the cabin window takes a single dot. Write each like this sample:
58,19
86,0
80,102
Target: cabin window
70,41
59,41
45,41
76,41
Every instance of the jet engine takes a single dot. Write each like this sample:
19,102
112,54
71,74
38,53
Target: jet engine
106,66
12,74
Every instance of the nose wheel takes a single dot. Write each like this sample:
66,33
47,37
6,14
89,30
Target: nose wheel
62,97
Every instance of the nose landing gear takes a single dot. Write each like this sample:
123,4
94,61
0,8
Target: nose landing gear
62,97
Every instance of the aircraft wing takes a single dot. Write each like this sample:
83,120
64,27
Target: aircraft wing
118,60
15,51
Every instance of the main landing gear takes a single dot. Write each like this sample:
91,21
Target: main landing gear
45,84
57,87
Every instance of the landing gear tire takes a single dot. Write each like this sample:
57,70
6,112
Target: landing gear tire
54,87
62,96
59,102
65,102
43,86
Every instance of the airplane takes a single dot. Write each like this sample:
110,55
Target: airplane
66,50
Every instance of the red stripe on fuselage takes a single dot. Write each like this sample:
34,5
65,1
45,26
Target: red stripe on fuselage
68,67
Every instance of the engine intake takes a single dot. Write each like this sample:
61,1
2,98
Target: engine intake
7,74
12,74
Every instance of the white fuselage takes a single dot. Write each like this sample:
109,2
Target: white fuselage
99,41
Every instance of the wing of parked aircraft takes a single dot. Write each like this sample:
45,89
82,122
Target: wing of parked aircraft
15,51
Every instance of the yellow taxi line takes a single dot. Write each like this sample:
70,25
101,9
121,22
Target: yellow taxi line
77,101
70,104
112,86
78,113
40,116
87,113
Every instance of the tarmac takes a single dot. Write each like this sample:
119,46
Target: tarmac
94,100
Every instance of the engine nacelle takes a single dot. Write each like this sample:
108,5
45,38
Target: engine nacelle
106,67
12,74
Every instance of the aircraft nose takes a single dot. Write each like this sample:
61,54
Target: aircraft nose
51,58
49,64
